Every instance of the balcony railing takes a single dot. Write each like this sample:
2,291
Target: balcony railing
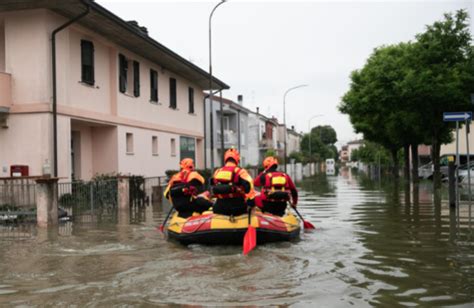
230,138
266,143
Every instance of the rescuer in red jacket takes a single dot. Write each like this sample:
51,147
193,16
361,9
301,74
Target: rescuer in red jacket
184,188
277,188
232,186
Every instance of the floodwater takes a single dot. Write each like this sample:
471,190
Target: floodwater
374,246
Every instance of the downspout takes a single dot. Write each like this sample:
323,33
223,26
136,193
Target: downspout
55,112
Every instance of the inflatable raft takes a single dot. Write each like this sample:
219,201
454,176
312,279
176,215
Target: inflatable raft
214,229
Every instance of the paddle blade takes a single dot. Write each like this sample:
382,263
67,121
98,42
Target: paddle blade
250,240
308,225
162,227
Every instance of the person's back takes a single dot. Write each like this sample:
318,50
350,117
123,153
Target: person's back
231,185
277,188
183,189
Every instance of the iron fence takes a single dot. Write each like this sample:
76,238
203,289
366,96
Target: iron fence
154,188
19,193
89,202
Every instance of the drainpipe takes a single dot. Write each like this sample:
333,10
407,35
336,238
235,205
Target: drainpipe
55,112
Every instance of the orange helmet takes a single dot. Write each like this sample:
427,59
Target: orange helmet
270,161
187,164
232,153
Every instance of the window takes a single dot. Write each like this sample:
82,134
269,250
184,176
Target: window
153,86
129,145
173,147
173,93
123,69
136,79
129,79
87,62
187,147
226,121
154,145
191,99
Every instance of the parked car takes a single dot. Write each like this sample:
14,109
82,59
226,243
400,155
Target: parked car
426,171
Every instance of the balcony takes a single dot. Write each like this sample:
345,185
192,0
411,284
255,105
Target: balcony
230,139
266,143
5,98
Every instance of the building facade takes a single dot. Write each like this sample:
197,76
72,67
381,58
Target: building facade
263,136
125,103
236,130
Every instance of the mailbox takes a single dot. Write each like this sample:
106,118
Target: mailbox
19,170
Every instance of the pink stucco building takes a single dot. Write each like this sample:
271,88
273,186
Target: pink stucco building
125,103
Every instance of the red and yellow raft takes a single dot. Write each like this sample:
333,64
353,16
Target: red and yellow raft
214,229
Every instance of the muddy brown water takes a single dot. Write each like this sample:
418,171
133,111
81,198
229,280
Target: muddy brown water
374,246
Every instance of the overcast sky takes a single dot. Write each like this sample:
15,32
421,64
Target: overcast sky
262,48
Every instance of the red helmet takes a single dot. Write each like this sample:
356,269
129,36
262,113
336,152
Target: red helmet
232,153
270,161
187,164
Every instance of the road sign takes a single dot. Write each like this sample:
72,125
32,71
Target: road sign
457,116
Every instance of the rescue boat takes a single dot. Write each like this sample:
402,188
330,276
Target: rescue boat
214,229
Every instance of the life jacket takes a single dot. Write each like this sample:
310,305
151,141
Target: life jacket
226,183
276,187
179,185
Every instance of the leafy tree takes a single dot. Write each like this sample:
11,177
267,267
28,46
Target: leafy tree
441,78
374,99
322,143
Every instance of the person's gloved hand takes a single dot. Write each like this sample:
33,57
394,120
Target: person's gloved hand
293,205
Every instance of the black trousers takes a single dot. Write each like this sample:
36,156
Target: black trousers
187,206
274,207
230,206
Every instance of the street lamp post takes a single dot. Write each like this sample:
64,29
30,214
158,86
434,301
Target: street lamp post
210,80
284,114
309,130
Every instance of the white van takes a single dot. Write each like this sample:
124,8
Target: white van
330,166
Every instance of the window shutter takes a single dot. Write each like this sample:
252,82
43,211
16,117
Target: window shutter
87,62
153,86
136,79
173,93
191,100
122,73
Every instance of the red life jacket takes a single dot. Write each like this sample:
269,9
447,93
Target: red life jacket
276,187
179,185
226,183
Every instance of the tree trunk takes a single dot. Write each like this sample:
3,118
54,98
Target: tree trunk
435,155
414,163
395,172
406,157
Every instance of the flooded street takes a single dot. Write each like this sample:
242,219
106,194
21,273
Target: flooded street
372,246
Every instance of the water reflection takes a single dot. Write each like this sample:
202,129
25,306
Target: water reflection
377,243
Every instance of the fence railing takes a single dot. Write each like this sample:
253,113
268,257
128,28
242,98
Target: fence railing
17,192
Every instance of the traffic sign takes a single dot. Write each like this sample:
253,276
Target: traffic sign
457,116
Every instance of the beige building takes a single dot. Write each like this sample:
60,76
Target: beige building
125,103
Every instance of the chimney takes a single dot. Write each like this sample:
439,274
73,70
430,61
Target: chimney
240,99
292,127
258,110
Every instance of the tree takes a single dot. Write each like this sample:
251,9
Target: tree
441,78
374,101
322,143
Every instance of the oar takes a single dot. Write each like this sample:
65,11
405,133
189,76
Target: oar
250,238
306,224
162,227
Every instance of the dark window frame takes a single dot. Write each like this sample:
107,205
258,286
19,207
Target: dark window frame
191,100
123,68
153,86
87,69
173,93
136,78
